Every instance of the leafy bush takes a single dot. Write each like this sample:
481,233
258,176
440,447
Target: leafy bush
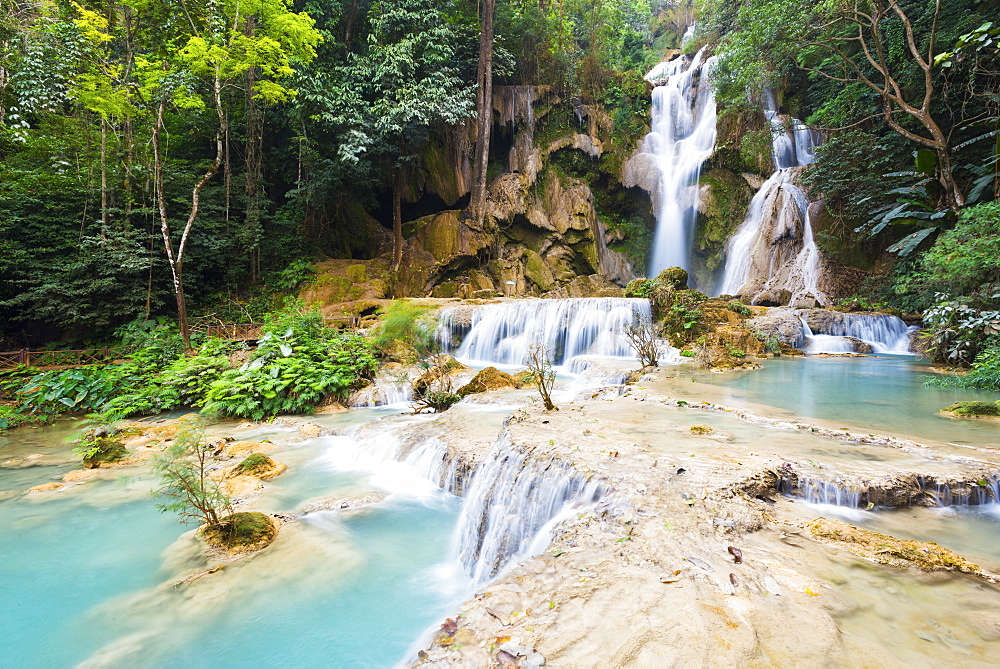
739,307
985,372
96,446
407,330
968,256
49,394
959,329
293,371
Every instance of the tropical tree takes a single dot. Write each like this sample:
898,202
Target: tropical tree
395,94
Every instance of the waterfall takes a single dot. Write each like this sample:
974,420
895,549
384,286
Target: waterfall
502,333
884,333
986,492
512,501
668,161
513,505
772,257
383,392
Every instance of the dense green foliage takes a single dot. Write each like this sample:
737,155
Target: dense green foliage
297,364
252,122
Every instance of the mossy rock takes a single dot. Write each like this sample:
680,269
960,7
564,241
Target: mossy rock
639,288
242,532
888,550
101,450
973,408
723,203
256,464
673,277
487,379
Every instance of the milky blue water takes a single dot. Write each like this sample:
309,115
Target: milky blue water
86,575
876,393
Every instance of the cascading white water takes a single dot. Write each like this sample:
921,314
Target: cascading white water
511,502
502,333
883,332
829,492
668,162
384,392
513,505
774,250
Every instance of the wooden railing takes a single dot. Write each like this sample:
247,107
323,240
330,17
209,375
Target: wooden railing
69,358
253,331
91,356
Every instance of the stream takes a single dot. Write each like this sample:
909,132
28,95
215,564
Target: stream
90,572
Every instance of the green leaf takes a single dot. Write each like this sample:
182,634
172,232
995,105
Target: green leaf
925,161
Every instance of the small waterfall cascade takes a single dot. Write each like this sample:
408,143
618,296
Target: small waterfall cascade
823,343
398,460
884,333
384,391
512,502
513,505
772,257
932,492
669,159
985,492
502,333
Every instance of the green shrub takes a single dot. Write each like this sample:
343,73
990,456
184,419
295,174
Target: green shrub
985,371
739,307
407,330
297,365
96,446
51,393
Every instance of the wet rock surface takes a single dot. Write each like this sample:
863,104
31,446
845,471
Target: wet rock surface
692,557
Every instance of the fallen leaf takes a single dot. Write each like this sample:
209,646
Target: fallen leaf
732,579
673,578
449,626
737,555
810,592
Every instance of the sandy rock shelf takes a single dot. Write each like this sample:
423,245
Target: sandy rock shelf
694,559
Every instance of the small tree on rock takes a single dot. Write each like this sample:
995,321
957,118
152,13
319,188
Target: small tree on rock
641,335
188,490
539,364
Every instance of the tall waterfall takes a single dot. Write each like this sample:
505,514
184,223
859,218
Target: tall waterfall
773,257
502,333
513,504
668,162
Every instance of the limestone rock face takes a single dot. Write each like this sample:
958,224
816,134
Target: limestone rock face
781,323
541,232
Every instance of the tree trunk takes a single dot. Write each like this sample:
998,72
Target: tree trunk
182,316
484,107
952,193
397,221
176,259
104,176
